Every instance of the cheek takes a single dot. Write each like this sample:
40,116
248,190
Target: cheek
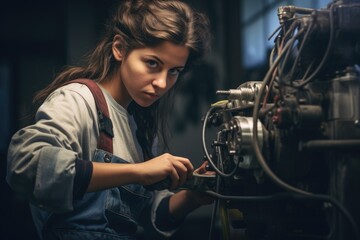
136,71
131,75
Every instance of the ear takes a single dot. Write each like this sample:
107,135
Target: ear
117,47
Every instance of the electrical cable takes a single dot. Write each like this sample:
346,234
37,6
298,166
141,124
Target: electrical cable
209,158
307,71
216,205
232,173
327,51
288,35
224,219
213,218
257,150
299,193
261,159
285,195
306,35
292,40
214,107
275,31
286,186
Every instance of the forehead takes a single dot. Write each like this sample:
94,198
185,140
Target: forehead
168,52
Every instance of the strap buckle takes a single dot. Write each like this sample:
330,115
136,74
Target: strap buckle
105,124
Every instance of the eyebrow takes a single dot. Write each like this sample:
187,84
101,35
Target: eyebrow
158,59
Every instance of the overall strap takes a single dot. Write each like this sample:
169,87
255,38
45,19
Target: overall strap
105,141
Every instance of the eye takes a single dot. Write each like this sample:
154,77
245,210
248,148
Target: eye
174,71
152,63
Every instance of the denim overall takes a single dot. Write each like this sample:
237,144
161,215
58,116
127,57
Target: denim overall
110,214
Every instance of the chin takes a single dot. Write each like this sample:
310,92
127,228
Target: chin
144,104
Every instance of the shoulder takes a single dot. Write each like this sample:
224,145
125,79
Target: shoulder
74,97
74,94
76,90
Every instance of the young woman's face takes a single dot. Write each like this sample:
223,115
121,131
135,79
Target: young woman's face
148,73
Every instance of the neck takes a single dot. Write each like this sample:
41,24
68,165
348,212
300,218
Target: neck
118,91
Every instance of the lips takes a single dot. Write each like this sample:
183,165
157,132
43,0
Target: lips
152,95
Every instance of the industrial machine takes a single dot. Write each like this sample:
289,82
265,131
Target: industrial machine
287,148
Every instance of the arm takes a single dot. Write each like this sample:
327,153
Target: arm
186,201
41,157
173,210
107,175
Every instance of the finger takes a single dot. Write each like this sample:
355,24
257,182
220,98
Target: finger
182,172
186,162
174,178
202,169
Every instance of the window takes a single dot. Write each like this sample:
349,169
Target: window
259,20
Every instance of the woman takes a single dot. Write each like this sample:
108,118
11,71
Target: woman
78,191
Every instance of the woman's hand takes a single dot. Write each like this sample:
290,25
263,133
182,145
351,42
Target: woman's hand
186,201
177,168
198,196
202,169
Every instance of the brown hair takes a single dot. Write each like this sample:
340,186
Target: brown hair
141,23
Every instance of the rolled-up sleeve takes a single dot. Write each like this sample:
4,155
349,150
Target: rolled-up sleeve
149,223
41,157
54,179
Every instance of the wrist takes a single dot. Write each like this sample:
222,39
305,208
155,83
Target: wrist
136,173
193,198
182,203
198,198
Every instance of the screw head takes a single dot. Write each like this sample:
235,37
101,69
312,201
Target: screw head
357,123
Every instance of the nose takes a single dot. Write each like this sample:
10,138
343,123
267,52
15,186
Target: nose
160,80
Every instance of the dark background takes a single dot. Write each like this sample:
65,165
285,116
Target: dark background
37,38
